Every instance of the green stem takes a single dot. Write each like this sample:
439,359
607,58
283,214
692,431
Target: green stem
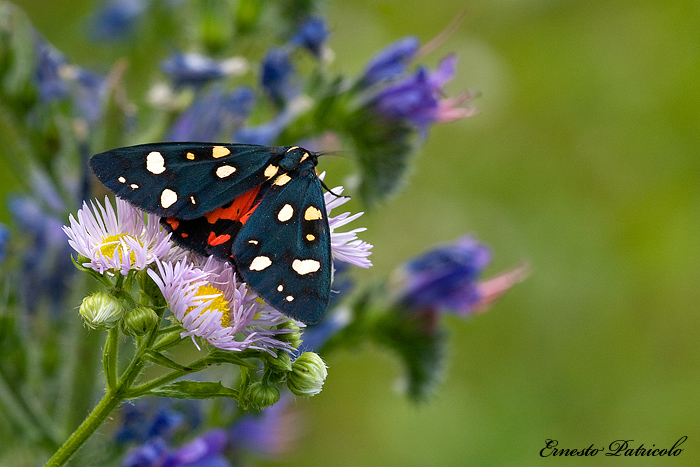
98,415
172,376
110,358
108,403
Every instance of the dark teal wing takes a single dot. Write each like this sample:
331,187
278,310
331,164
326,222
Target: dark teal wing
184,180
284,252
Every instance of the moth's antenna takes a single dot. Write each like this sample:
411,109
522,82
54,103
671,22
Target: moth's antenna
328,189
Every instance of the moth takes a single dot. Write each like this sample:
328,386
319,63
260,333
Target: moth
260,208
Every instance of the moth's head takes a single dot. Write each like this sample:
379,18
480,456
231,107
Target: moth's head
294,156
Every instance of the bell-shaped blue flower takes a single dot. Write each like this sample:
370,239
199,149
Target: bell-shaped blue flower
390,62
192,69
276,76
212,114
311,35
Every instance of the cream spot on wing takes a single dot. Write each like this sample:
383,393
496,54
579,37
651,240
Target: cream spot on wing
253,242
312,214
285,213
271,171
122,180
280,288
190,156
305,266
194,201
310,237
134,186
259,263
220,151
167,198
224,171
282,180
289,298
155,163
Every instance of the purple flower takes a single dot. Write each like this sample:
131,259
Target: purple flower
390,62
311,35
116,19
89,93
46,266
445,278
276,76
4,240
204,451
196,70
269,433
267,133
57,79
417,98
264,134
49,63
139,423
212,114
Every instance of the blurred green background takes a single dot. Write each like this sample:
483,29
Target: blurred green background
583,162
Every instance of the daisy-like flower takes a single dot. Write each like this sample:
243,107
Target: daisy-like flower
116,241
345,246
212,304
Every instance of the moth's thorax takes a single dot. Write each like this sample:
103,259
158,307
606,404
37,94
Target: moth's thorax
295,156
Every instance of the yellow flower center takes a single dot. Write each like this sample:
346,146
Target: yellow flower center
218,304
111,243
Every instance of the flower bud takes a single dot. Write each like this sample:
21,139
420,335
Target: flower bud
282,362
294,338
139,321
101,311
307,375
261,395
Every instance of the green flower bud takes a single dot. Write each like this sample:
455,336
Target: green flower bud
139,321
308,373
294,338
260,395
283,362
101,311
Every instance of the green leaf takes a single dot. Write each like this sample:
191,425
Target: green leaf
160,359
384,149
194,390
235,358
420,344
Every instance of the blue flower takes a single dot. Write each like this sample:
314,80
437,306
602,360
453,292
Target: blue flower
196,70
267,133
264,134
276,76
116,19
89,94
266,434
146,420
204,451
390,62
46,266
445,278
312,34
4,240
212,114
417,98
47,75
57,79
